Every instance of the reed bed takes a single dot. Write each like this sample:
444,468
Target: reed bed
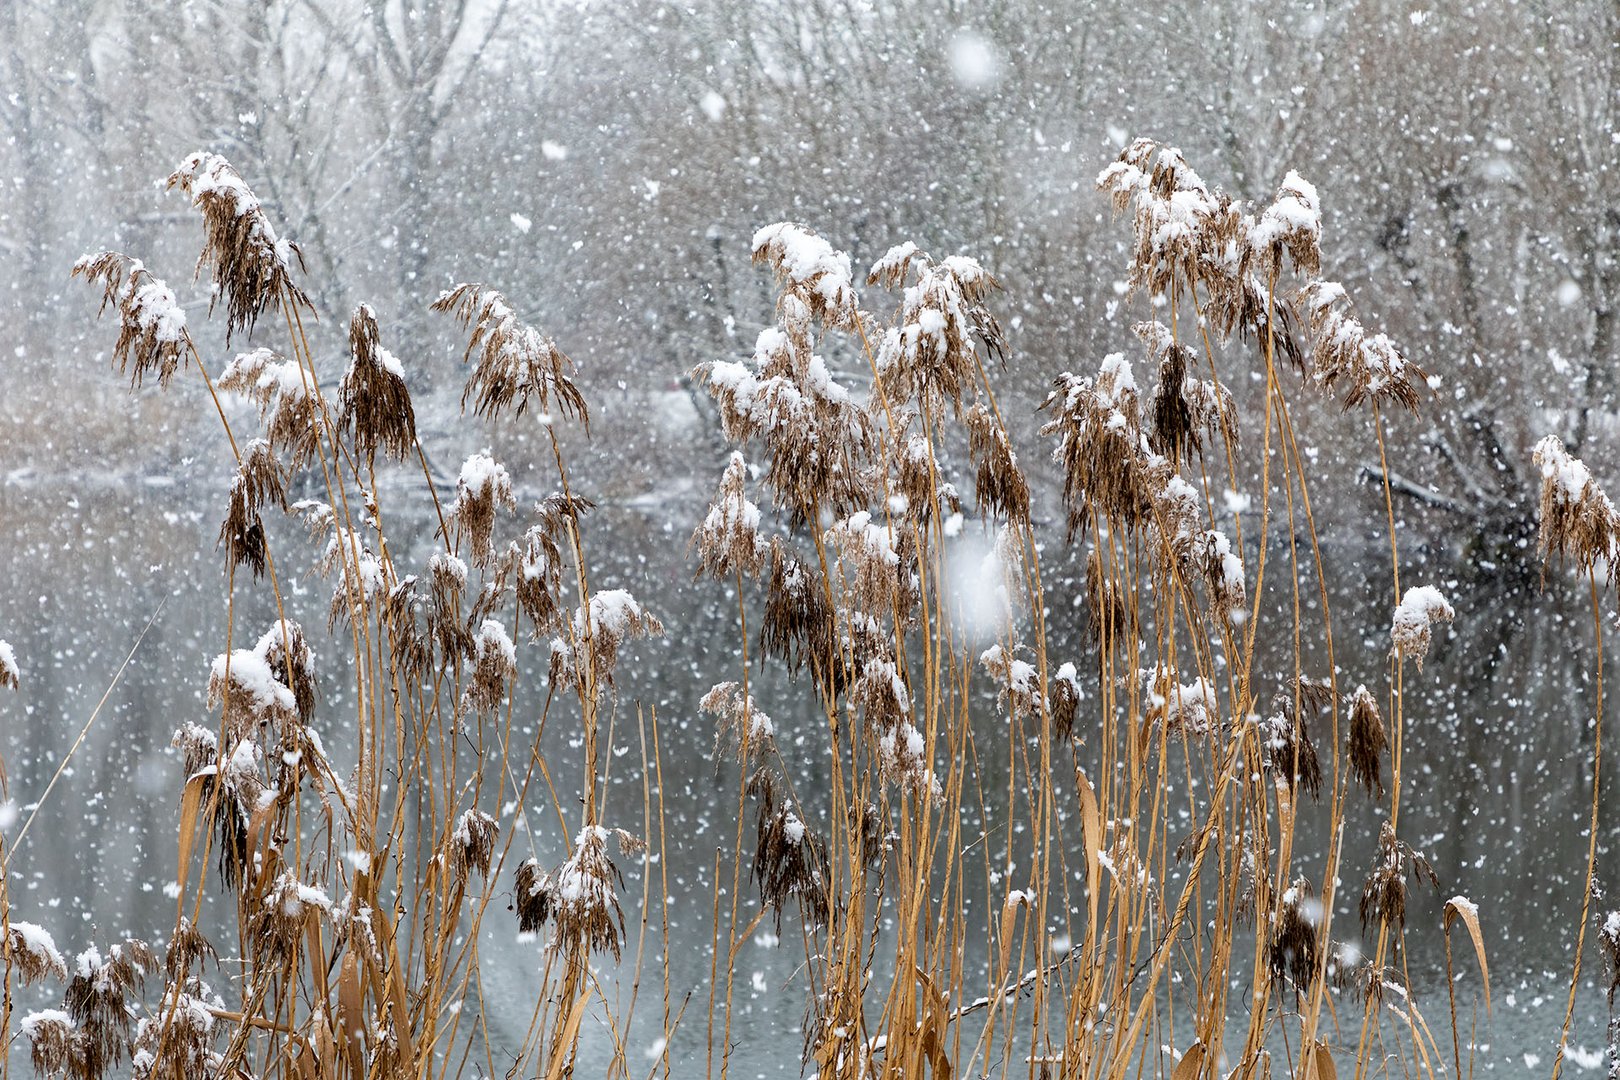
1033,854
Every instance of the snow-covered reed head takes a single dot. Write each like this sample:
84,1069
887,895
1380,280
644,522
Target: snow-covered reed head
728,541
533,564
482,486
928,358
790,858
1295,945
816,279
516,362
999,483
1107,465
278,925
1292,224
245,686
876,566
1578,522
287,652
1285,743
597,631
816,437
374,403
285,395
1412,627
1183,408
252,265
98,1005
741,727
1347,358
494,664
579,898
472,845
799,627
1383,895
31,949
152,337
10,672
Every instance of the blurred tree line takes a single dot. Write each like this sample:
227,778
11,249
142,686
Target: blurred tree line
607,164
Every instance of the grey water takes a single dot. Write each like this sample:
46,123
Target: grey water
1498,749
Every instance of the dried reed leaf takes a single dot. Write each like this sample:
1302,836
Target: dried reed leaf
567,1035
190,807
1460,907
1191,1063
1321,1065
352,1023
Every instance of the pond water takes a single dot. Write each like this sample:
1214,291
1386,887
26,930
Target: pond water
1498,756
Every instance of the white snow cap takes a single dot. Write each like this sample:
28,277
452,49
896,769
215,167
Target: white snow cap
1419,609
10,673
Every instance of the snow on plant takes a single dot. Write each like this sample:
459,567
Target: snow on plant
252,265
741,726
815,437
482,485
598,629
152,335
728,541
1418,611
1343,351
1578,521
927,358
31,947
286,398
494,663
812,274
1019,681
517,363
1293,223
579,897
375,406
10,672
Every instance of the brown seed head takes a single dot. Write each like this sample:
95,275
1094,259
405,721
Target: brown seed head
483,484
285,395
814,278
1000,485
1293,223
728,541
516,362
252,265
741,727
1368,366
1365,747
374,404
789,860
31,949
1294,948
494,662
152,336
472,845
928,358
1578,522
